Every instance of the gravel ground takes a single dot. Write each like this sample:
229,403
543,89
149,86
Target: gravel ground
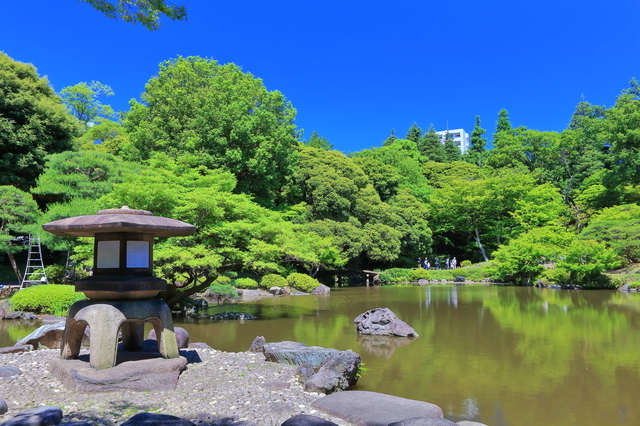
223,388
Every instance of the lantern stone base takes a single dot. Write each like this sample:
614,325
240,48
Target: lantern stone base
106,319
138,371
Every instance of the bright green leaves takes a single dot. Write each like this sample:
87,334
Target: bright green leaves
33,123
82,101
225,118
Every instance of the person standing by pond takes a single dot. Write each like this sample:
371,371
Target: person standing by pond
426,264
446,263
419,263
454,263
437,263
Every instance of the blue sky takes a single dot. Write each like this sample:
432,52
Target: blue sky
354,70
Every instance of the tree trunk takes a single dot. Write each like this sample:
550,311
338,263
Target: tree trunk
476,236
174,297
14,265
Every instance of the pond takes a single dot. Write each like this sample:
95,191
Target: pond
504,356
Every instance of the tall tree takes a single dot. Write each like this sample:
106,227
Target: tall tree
392,137
146,12
503,124
478,149
414,133
82,101
220,117
451,150
317,141
430,146
17,209
622,126
33,123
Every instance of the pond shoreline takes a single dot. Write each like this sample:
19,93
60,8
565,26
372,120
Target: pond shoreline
236,385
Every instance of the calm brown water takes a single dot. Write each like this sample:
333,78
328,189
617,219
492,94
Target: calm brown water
498,355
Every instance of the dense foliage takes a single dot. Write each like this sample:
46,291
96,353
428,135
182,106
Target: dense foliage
210,145
50,298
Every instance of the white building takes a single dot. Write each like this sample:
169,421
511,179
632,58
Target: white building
460,138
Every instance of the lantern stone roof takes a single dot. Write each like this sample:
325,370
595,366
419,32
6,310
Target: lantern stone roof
123,219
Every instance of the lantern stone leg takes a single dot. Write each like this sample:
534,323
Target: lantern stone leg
106,319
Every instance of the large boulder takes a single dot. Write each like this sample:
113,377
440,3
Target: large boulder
321,289
362,408
182,336
336,373
154,419
305,420
296,353
383,322
50,336
47,415
323,370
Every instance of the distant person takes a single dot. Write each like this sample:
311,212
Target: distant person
446,263
437,263
419,263
426,263
454,263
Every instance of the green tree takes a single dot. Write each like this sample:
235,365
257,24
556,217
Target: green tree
17,210
622,127
451,150
392,137
146,12
317,141
220,117
478,149
107,136
82,101
33,123
414,133
431,147
233,232
503,124
618,228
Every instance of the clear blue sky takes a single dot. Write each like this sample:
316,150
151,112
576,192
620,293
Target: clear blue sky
354,70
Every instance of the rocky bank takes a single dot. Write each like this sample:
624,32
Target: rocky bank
217,387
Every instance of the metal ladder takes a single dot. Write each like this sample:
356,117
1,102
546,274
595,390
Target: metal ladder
34,263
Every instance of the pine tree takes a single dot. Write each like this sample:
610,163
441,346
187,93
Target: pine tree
478,148
431,147
451,150
414,133
503,124
317,141
392,137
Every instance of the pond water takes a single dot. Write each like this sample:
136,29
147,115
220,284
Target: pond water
504,356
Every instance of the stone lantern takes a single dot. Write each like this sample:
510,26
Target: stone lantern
122,286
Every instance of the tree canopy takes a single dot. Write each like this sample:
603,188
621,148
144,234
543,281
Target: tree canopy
33,123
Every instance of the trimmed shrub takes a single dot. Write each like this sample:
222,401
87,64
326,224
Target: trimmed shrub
419,274
465,263
395,275
273,280
222,280
556,276
42,299
302,282
245,283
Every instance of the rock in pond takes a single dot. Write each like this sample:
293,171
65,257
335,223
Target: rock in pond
383,322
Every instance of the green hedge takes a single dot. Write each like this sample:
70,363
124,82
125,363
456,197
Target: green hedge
43,299
273,280
302,282
245,283
465,263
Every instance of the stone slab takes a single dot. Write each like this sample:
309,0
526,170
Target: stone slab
16,349
363,408
47,415
134,371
